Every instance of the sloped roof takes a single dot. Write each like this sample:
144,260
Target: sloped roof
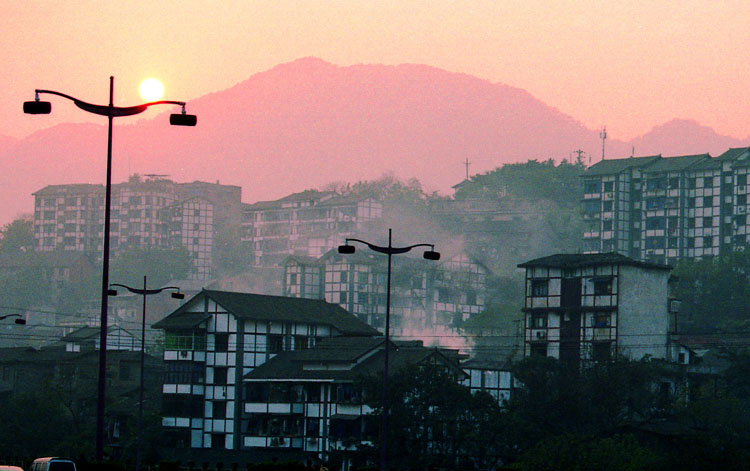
677,163
290,365
87,333
586,260
266,307
733,153
71,189
610,166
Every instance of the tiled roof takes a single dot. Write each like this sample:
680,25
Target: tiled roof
613,166
274,308
672,164
587,260
290,365
72,189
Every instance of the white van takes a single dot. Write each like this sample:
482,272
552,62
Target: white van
52,463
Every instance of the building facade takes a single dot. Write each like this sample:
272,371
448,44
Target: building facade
309,400
424,295
594,307
216,338
155,212
662,209
309,223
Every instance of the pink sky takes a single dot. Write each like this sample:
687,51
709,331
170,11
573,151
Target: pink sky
630,65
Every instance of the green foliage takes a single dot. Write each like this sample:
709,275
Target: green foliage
571,452
433,420
714,293
16,236
532,180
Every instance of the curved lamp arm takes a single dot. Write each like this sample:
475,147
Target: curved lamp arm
114,111
146,291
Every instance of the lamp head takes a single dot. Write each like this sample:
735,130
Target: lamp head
20,321
37,107
346,249
111,292
182,119
178,295
431,255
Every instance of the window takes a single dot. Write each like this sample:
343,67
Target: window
220,375
691,242
742,179
538,321
708,201
708,221
607,206
740,220
741,200
220,409
601,319
654,204
609,186
707,242
591,207
691,223
607,225
708,182
674,183
300,342
539,287
591,187
221,342
602,286
655,223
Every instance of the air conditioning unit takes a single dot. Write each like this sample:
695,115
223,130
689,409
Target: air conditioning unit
183,354
741,209
540,334
741,189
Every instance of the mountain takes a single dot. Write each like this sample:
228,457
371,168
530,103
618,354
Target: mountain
308,123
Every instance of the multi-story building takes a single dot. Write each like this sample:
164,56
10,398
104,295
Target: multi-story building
155,212
663,209
581,307
309,401
309,223
216,338
425,296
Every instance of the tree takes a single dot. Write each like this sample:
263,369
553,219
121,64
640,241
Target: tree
17,236
714,293
435,421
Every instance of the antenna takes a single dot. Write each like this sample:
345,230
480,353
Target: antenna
580,153
603,136
466,163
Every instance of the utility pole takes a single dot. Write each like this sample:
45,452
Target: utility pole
579,153
466,163
603,136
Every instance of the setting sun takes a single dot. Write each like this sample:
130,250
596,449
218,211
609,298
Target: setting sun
151,89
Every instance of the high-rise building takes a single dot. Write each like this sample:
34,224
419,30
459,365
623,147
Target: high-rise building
155,212
309,223
663,209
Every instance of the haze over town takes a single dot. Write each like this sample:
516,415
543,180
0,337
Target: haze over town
516,231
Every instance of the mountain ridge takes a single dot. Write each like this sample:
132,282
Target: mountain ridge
308,122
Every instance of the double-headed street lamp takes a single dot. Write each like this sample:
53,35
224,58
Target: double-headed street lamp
20,320
145,292
110,111
390,250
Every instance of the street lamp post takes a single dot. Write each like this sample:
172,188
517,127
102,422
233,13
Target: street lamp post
390,250
20,320
110,111
145,292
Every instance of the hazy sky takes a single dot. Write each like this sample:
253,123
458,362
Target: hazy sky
629,64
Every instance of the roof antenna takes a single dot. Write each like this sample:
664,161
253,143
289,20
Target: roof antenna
603,136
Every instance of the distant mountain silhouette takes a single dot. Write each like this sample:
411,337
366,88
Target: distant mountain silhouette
307,123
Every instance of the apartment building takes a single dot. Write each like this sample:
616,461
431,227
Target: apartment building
216,338
308,400
592,307
150,212
425,296
309,223
663,209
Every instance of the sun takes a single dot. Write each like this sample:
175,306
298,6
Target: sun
151,89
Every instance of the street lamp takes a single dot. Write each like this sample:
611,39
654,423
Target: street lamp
110,111
390,250
145,292
20,321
